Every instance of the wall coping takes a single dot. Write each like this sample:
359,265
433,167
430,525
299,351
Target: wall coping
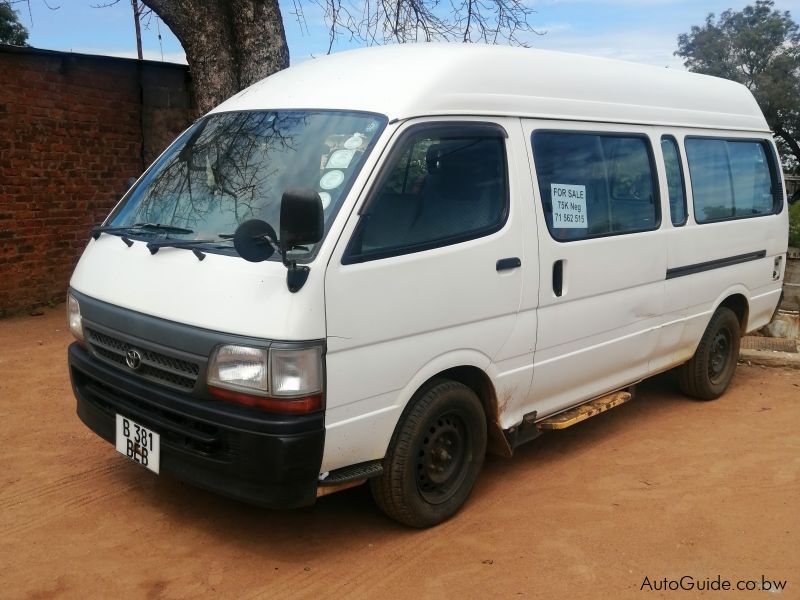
31,51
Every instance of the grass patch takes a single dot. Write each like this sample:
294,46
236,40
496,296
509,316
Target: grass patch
794,225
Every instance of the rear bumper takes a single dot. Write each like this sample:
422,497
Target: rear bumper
268,460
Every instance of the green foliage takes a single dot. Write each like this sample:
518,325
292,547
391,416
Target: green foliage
758,47
12,32
794,225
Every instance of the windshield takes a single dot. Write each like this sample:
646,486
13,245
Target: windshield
231,167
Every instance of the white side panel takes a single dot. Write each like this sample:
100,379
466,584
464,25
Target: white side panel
395,322
762,306
690,300
711,241
602,332
390,318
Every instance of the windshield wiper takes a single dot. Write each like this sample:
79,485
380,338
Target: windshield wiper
154,227
155,246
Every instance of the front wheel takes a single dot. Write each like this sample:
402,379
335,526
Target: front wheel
434,457
708,373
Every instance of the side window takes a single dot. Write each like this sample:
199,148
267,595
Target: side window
442,185
595,185
675,184
731,179
752,188
712,184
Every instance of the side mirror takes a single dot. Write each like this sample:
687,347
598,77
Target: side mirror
253,240
302,220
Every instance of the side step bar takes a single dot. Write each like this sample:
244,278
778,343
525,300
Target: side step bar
348,477
584,411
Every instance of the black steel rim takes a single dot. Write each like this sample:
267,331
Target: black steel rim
719,354
441,458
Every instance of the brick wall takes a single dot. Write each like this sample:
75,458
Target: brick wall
73,129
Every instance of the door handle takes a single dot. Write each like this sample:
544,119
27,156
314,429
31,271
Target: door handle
558,278
506,264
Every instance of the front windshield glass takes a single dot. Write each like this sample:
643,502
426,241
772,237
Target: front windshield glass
231,167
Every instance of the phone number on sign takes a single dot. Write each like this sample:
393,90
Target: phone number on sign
568,218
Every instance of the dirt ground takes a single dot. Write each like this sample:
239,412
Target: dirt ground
660,487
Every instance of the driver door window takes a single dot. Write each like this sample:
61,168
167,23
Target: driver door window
442,185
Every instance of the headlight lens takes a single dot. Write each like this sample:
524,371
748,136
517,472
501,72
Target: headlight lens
296,372
74,320
240,368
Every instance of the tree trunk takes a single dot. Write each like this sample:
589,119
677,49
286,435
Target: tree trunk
791,143
229,44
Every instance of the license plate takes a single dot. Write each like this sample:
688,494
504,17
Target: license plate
138,443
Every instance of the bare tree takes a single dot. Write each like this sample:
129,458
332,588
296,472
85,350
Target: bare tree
231,44
386,21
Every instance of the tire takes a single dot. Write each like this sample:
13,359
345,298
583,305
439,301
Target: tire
434,456
708,373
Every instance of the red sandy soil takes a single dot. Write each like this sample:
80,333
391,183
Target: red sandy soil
660,487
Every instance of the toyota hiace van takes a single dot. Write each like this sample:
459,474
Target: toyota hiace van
380,265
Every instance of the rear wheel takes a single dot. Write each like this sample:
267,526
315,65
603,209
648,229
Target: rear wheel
709,372
434,457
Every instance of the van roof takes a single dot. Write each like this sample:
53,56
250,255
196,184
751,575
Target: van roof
411,80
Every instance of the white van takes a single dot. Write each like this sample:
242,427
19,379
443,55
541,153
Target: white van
382,264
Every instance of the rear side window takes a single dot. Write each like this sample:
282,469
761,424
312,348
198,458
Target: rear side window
731,179
675,183
442,185
595,185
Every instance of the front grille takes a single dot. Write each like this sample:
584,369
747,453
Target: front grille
158,367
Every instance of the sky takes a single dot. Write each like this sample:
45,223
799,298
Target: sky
642,31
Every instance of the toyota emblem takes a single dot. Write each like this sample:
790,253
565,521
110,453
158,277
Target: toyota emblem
133,359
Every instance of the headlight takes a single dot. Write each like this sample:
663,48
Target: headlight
239,368
287,380
74,320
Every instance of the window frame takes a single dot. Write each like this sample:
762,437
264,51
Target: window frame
678,149
486,129
770,153
613,134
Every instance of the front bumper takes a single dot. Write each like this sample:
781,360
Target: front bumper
268,460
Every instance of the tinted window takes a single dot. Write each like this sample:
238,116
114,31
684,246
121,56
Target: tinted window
730,179
675,184
594,185
443,186
752,188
